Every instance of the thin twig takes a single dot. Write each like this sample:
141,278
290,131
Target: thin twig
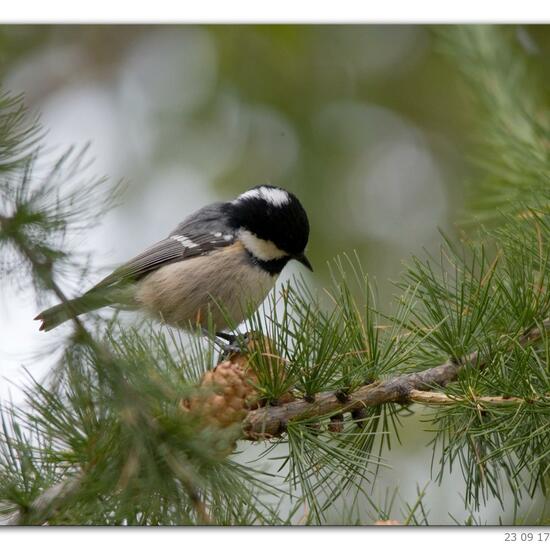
437,398
181,470
47,503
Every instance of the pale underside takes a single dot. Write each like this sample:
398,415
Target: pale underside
200,291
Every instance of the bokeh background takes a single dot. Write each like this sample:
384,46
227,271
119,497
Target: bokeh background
369,125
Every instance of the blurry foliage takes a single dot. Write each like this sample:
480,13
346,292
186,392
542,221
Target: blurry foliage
294,105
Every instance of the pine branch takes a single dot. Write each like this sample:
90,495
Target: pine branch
272,421
269,422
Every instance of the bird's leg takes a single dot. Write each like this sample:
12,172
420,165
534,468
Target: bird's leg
229,344
232,343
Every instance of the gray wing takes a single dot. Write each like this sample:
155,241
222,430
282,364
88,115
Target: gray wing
200,234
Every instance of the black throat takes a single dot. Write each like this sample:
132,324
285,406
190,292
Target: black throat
273,267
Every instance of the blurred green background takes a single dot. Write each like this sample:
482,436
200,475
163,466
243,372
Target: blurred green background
366,124
369,125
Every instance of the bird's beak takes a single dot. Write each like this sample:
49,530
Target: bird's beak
304,261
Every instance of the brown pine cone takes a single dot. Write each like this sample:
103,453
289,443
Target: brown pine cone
219,405
228,392
225,394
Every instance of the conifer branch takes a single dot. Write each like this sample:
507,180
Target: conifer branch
269,422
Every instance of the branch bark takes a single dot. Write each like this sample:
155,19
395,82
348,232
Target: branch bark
438,398
272,421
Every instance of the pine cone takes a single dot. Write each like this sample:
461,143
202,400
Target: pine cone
227,392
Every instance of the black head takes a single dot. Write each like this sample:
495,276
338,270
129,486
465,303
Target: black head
275,216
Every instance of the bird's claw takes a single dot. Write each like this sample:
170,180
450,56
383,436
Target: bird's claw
232,344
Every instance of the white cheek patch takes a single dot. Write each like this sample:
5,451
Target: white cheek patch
274,196
260,248
185,241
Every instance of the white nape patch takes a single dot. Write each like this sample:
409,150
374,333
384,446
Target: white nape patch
274,196
185,242
260,248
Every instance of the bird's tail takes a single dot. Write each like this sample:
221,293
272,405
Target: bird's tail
60,313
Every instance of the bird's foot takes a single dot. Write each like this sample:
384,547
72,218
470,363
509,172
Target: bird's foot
232,344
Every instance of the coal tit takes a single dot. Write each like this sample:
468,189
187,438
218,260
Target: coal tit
217,265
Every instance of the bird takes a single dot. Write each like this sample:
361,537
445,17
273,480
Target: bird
212,271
